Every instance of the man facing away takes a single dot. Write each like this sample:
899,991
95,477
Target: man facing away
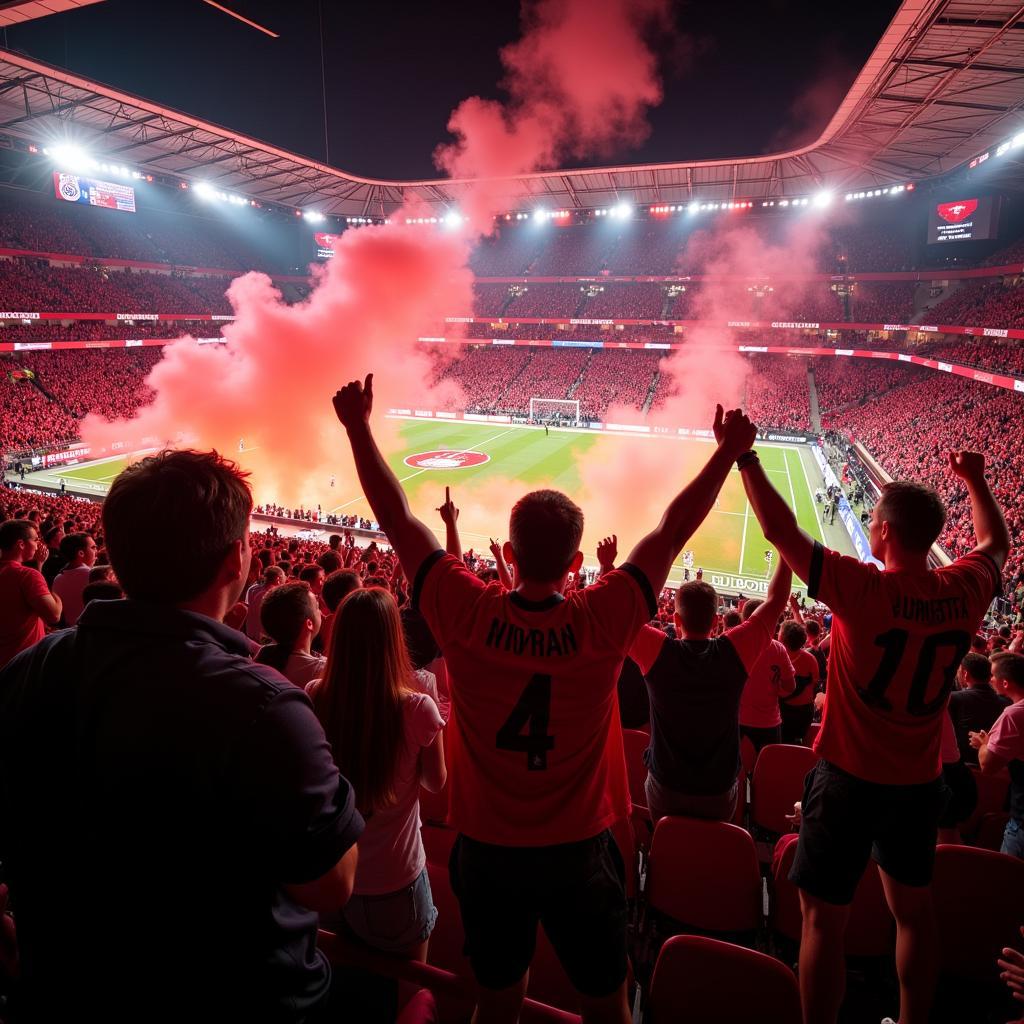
26,605
537,766
898,637
771,678
170,814
695,684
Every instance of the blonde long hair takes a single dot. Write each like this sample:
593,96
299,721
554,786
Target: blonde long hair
359,700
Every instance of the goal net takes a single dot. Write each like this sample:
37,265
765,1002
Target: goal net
564,411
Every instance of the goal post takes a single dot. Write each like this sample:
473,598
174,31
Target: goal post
555,410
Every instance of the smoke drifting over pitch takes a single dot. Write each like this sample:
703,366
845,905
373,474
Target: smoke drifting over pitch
579,84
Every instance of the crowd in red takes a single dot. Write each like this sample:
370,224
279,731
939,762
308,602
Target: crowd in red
777,392
988,304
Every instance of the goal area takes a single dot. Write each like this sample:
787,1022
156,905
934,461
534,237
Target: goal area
560,411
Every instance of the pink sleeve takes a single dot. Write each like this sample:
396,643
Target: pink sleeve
749,638
950,750
424,721
1006,737
646,647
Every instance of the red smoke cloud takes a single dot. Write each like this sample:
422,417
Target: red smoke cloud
579,82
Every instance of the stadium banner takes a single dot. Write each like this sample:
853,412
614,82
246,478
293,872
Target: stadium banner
787,437
109,195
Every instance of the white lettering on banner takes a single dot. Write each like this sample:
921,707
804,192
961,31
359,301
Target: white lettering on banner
785,437
753,348
739,323
458,319
431,339
783,323
985,378
222,316
132,344
661,430
945,367
19,316
1018,385
637,428
138,316
741,584
445,415
422,412
656,344
922,327
995,332
117,445
400,412
29,346
895,327
905,358
212,341
591,321
475,416
844,351
499,419
502,341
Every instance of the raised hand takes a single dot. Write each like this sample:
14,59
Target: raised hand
607,551
495,547
354,402
449,513
967,465
733,431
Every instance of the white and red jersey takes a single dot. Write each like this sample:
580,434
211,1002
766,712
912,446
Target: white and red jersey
534,736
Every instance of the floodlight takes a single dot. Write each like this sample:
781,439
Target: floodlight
313,216
205,190
622,210
70,156
453,218
540,216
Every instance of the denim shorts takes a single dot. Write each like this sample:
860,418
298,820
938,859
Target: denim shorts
393,921
1013,839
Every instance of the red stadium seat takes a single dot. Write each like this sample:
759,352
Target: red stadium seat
748,755
993,794
705,875
778,783
705,981
979,908
812,734
871,930
989,835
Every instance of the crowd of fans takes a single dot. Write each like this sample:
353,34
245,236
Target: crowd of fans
997,304
777,393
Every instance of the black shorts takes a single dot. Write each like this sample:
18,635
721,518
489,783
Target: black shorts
575,890
963,794
845,820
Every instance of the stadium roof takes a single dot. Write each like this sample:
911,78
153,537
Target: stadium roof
945,82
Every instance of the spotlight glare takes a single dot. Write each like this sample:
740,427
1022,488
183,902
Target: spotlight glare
204,190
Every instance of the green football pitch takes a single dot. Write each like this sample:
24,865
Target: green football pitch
477,457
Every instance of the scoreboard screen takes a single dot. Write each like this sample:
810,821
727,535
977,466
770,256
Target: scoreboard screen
970,219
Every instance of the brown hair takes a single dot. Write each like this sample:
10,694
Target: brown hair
185,508
545,530
914,512
697,605
282,613
359,700
792,635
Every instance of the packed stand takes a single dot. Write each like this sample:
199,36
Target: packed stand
547,300
881,302
485,372
992,304
842,381
549,373
616,377
777,394
626,302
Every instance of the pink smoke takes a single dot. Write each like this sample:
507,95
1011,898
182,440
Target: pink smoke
579,83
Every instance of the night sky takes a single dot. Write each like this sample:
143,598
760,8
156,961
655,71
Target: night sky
739,78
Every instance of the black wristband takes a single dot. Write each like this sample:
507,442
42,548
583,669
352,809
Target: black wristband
747,459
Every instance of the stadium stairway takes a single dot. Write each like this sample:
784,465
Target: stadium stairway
812,394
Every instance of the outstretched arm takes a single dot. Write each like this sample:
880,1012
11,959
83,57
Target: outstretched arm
778,523
499,559
450,518
607,551
412,539
989,526
656,552
775,600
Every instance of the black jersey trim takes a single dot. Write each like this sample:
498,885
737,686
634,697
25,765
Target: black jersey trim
817,565
644,584
426,565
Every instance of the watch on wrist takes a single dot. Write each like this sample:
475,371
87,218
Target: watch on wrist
747,459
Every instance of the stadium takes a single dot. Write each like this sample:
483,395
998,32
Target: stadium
532,324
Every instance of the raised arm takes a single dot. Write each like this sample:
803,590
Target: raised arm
499,560
607,551
775,600
989,526
450,518
412,539
778,522
655,553
794,607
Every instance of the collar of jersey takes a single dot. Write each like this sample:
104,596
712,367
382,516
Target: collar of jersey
535,606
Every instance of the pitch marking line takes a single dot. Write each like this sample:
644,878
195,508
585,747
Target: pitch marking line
409,476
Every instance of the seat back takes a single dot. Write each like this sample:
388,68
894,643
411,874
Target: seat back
778,783
979,908
812,734
705,875
870,930
710,982
993,791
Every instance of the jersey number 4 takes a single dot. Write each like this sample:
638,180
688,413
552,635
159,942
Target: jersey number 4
532,710
894,644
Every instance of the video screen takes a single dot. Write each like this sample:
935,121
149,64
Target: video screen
970,219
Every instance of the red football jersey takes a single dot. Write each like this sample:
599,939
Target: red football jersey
897,640
534,736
